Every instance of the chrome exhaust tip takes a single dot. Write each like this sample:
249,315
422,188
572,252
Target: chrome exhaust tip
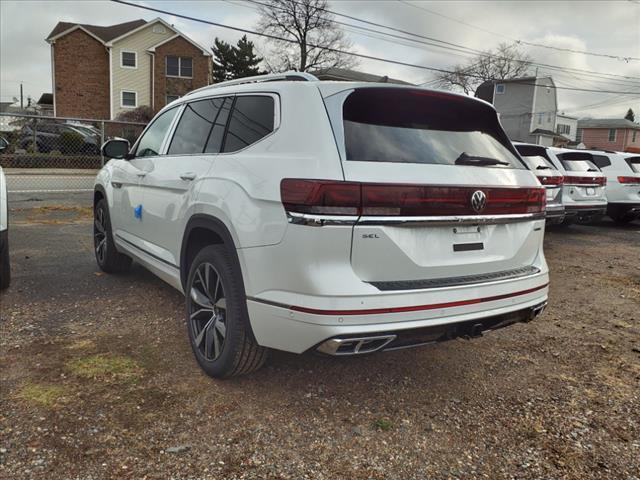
355,346
537,310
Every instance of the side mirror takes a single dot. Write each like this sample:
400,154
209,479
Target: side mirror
116,148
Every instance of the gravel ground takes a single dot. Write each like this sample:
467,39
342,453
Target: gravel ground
98,381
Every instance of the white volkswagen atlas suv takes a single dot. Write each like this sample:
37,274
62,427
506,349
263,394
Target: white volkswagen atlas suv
536,158
623,183
584,188
343,218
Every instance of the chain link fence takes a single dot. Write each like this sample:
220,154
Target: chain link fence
54,154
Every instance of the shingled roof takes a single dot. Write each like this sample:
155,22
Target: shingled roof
608,123
105,34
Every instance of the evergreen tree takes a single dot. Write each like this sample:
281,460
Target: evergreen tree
630,115
231,62
246,61
223,59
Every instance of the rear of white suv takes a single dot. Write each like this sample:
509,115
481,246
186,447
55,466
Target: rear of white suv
584,188
352,218
623,183
536,158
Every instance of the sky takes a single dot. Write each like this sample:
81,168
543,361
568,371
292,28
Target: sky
608,27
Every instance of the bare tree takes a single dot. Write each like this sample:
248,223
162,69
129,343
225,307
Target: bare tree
315,37
505,62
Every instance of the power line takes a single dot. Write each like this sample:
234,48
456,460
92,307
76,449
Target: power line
340,51
532,44
449,45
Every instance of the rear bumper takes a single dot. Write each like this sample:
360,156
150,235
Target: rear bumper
396,340
298,329
554,213
585,213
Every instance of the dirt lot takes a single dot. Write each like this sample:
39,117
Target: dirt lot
98,381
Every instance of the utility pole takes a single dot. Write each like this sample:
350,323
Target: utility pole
21,98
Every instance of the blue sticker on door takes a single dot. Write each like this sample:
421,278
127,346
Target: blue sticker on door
137,212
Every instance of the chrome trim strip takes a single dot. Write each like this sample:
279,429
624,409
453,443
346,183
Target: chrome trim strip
452,220
320,220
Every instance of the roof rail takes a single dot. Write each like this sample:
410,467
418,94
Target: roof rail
271,77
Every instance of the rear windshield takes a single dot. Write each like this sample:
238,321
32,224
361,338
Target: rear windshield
537,162
634,163
417,126
578,162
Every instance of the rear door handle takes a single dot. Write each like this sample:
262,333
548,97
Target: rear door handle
187,176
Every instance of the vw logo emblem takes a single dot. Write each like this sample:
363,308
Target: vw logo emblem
478,200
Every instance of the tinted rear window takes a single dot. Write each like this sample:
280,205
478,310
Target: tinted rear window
578,162
417,126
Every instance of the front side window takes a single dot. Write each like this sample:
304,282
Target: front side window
252,119
128,59
151,140
129,99
612,134
201,127
179,66
414,126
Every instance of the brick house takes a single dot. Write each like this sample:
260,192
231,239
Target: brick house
616,134
102,71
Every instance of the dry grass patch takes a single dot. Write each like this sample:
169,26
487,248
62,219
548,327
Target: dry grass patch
45,395
106,366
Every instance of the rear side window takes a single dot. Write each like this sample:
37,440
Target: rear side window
201,127
601,161
417,126
151,140
251,120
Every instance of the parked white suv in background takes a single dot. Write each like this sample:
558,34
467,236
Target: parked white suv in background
584,188
5,269
536,158
623,183
339,217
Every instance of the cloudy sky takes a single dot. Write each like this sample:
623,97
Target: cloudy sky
606,27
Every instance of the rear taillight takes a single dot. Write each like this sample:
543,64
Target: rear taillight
552,181
574,180
322,197
629,180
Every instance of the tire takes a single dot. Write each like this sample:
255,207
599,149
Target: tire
108,258
217,317
5,267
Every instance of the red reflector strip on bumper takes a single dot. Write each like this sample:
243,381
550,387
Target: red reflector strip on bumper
416,308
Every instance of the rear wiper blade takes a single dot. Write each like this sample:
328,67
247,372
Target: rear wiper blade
592,170
543,167
466,159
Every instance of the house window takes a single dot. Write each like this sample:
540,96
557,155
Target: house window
633,137
171,98
579,135
128,99
128,59
500,88
563,129
159,29
179,67
540,115
612,134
